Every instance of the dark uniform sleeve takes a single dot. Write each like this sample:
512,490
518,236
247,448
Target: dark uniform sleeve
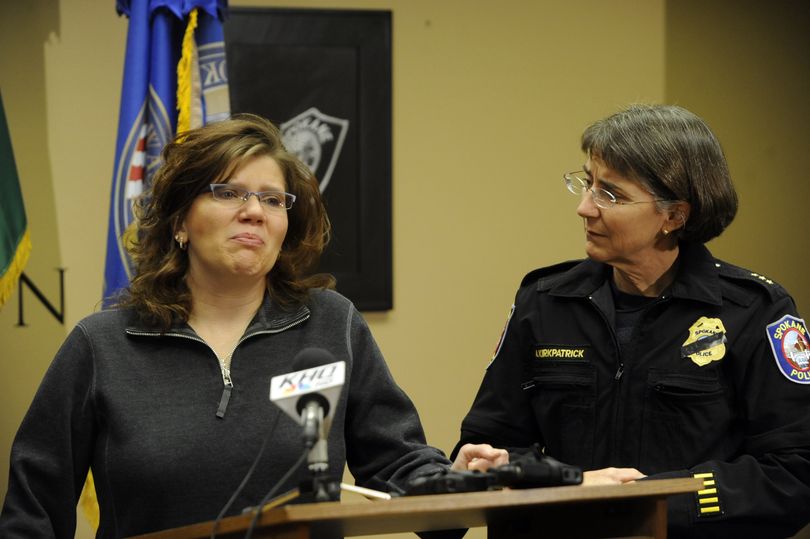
51,452
764,491
501,414
385,441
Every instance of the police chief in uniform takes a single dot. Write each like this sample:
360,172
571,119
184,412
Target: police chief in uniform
651,358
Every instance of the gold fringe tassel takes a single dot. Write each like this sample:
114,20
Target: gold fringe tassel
184,75
89,503
9,280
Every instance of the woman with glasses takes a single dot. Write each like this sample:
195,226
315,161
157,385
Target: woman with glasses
166,396
652,358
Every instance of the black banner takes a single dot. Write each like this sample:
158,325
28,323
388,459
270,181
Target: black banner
324,77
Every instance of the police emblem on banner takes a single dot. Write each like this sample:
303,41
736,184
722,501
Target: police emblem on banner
791,348
706,341
316,139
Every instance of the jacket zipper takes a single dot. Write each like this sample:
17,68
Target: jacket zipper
227,389
616,377
620,370
227,381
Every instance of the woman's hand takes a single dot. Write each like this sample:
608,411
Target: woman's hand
479,457
611,476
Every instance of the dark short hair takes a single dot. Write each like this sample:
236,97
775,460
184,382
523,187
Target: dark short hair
195,159
675,156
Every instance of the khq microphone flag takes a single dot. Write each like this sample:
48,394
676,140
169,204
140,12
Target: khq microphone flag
174,79
325,380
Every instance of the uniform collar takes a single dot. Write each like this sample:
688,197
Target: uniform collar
697,279
698,276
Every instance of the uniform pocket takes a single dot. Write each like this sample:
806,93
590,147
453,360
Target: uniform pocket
563,397
685,417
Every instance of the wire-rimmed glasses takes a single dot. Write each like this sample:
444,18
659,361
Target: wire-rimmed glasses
579,182
234,196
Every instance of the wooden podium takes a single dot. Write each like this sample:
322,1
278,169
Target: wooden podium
630,510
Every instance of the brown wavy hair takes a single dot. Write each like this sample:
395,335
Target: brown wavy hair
191,162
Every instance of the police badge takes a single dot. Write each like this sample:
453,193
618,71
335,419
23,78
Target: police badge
706,341
791,349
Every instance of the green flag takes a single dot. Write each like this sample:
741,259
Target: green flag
15,244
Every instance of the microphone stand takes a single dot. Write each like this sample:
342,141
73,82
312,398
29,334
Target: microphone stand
318,486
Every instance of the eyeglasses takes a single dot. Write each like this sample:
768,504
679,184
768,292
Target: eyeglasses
579,182
234,196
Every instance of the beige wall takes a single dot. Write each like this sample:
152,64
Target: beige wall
489,102
745,67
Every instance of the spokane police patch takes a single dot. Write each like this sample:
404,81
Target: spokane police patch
791,348
503,336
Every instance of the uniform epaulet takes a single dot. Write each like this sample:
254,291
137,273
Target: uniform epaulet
547,275
744,277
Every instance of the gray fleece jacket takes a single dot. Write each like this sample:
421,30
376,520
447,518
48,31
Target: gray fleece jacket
146,412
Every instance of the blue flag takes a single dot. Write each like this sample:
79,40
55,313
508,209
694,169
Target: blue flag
170,43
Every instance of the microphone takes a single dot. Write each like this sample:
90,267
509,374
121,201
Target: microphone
309,395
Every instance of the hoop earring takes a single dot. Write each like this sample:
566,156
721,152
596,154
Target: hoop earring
180,242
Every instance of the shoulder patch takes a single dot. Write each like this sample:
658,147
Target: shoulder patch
745,277
791,348
503,336
544,274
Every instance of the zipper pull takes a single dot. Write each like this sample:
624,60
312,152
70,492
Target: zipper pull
226,393
619,372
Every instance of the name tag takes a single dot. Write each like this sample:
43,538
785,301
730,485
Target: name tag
560,352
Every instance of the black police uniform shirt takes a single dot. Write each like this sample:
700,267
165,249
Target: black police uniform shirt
711,381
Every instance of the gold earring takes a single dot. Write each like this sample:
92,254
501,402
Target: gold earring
180,242
665,231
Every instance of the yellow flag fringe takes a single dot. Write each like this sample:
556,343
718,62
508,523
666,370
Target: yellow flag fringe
89,503
9,279
184,75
